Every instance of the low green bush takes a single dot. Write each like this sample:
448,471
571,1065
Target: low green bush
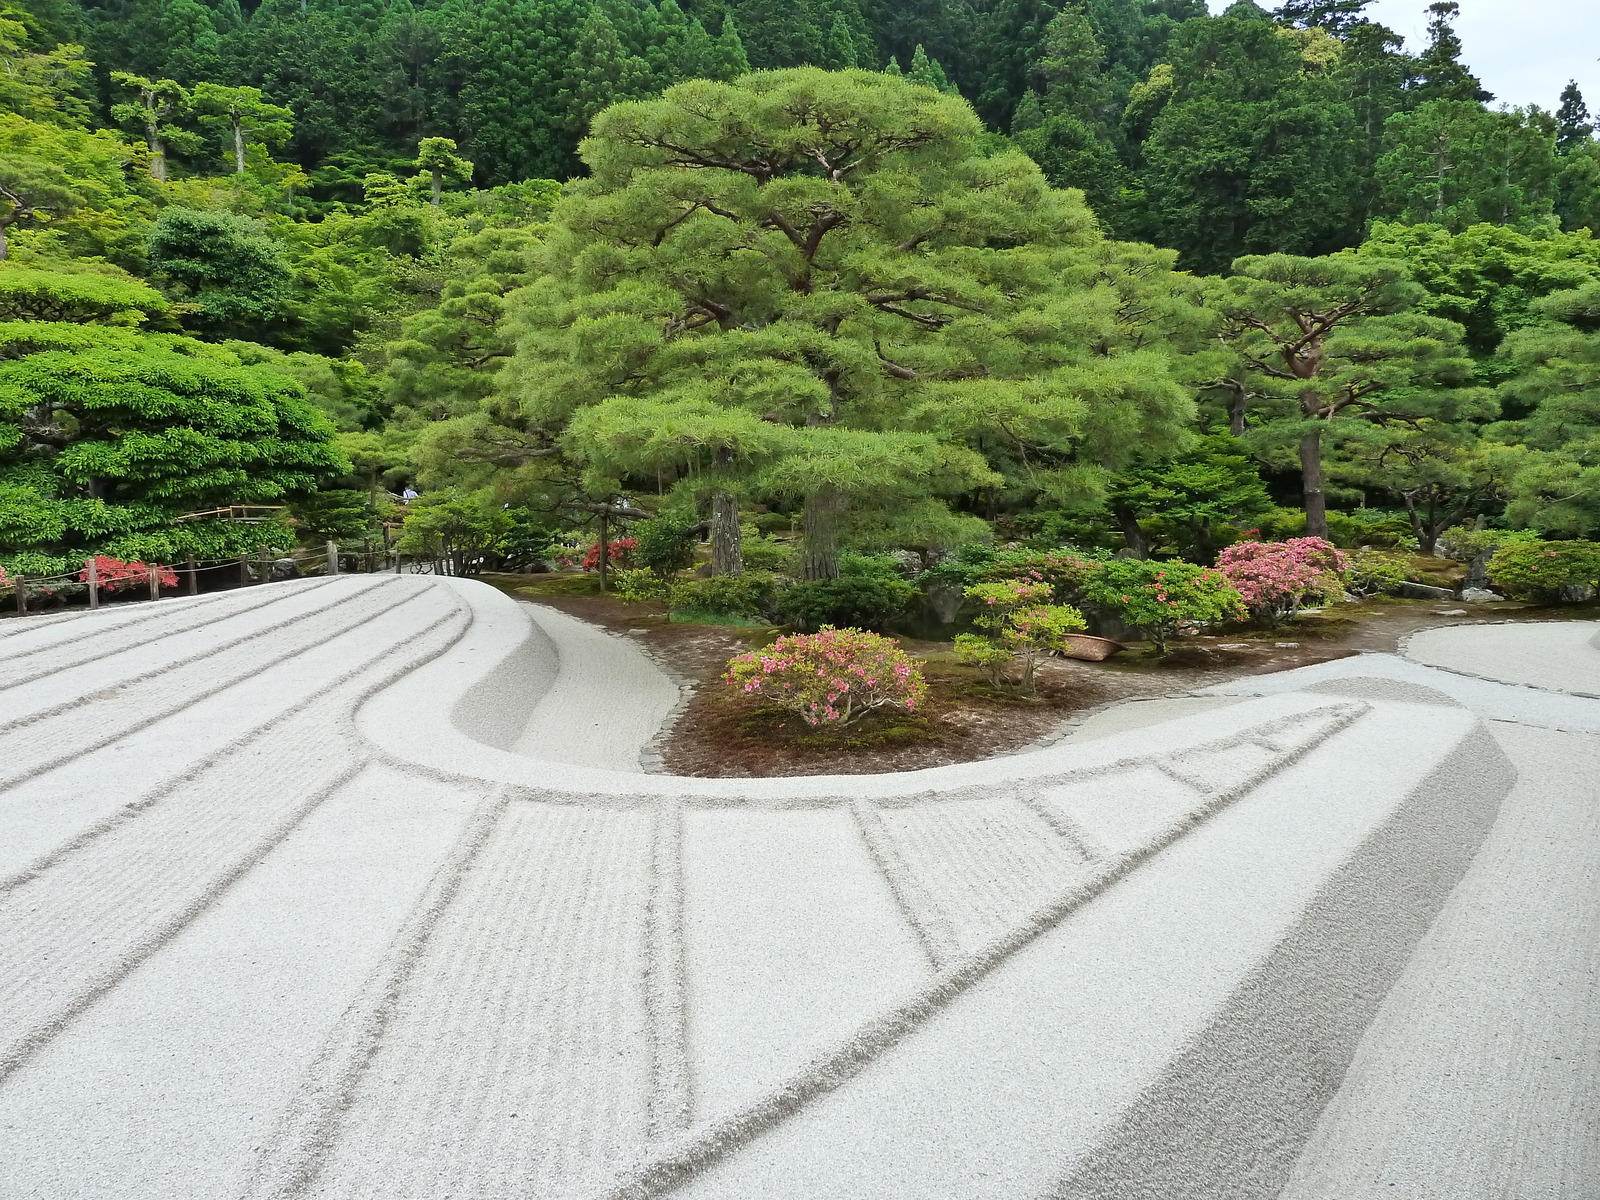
1375,572
849,602
633,585
762,553
665,544
1539,570
745,595
1162,597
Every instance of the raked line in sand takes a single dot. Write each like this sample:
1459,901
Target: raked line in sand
355,888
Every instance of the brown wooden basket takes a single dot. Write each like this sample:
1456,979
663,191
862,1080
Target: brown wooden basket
1091,648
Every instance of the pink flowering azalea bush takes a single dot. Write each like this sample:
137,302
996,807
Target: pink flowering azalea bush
114,575
830,678
1274,578
1162,598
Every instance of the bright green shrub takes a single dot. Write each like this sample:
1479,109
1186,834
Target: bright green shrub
633,585
1162,597
762,553
1539,570
1021,625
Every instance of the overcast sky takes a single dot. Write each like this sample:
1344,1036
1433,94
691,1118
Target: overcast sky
1523,50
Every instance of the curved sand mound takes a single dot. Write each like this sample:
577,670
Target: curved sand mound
326,889
1557,656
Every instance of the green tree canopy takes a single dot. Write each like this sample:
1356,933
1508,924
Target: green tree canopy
225,264
107,435
832,254
1329,342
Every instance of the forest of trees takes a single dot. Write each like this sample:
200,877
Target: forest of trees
905,276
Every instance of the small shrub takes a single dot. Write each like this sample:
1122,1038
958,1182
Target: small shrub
633,585
724,595
831,677
665,544
1274,578
1162,597
1375,572
1539,570
988,655
1021,625
859,601
114,575
619,555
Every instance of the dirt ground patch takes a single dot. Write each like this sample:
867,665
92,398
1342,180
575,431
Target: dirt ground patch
720,734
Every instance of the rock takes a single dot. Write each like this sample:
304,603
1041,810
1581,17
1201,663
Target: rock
1478,572
1478,595
1449,612
944,601
1576,593
1233,645
1423,591
285,568
1287,645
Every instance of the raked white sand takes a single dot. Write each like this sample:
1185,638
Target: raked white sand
355,888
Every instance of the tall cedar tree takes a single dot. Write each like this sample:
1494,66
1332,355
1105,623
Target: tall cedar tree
1251,149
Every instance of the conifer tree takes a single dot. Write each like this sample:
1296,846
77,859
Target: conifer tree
729,60
720,275
157,107
1574,127
1336,16
245,115
927,71
1440,72
601,71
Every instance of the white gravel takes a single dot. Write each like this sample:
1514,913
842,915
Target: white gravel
356,888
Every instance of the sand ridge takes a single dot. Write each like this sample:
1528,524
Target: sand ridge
562,977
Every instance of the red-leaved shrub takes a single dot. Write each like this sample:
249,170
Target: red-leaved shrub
114,575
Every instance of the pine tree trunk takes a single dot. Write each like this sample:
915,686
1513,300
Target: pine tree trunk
604,561
819,535
158,158
1131,532
726,556
238,147
438,186
1316,501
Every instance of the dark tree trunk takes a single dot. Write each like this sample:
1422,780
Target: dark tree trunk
819,534
1316,501
726,557
603,563
1131,532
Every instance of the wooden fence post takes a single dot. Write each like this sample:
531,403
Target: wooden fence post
366,546
333,558
94,582
194,578
154,573
266,566
244,570
22,595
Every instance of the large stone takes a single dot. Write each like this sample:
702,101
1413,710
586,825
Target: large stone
1425,591
1478,595
285,568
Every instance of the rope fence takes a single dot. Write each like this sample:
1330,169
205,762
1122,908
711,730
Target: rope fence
246,569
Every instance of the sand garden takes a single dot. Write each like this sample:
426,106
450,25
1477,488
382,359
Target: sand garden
359,887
